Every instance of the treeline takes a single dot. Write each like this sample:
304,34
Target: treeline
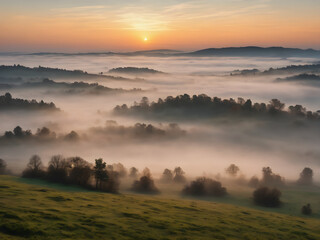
112,131
68,88
201,106
103,177
305,77
42,134
7,102
138,131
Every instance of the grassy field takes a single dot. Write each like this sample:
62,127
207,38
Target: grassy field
36,211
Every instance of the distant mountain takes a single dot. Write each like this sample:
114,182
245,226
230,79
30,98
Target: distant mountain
255,52
18,73
135,71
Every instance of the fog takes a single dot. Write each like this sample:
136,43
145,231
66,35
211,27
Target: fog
199,146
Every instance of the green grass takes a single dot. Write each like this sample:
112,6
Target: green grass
52,211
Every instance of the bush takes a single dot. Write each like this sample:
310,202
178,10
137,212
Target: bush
205,187
267,197
306,209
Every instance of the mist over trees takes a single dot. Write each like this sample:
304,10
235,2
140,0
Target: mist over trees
7,102
42,135
138,131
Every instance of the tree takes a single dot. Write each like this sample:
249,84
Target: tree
145,184
34,168
179,175
167,175
100,172
58,169
133,172
306,176
232,170
18,131
3,166
269,178
80,172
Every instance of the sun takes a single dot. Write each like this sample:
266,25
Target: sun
145,39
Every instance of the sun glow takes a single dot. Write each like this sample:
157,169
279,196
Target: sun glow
145,39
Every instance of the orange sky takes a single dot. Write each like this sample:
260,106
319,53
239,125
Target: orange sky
182,25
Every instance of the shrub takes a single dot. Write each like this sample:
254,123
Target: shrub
205,187
267,197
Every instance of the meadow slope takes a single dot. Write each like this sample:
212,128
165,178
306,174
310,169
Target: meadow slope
44,212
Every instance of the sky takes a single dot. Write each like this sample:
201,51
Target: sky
127,25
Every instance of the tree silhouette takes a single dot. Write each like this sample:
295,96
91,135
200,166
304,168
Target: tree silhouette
232,170
179,175
34,168
3,166
167,176
100,172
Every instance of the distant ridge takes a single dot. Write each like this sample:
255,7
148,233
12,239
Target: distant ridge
249,51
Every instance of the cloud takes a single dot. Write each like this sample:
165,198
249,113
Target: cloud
168,17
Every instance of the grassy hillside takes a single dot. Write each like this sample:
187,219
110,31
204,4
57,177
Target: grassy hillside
42,212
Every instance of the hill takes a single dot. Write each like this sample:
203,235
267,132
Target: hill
18,73
135,71
39,211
